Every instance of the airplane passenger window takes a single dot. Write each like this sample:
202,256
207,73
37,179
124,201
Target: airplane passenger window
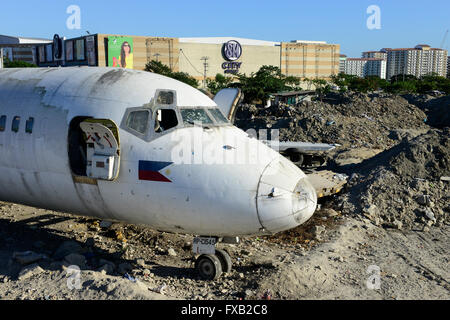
165,120
191,116
29,125
218,115
2,123
15,124
138,120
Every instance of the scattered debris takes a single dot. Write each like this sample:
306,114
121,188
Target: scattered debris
160,289
350,119
66,248
267,295
75,259
400,183
28,257
401,187
171,252
29,271
127,276
105,224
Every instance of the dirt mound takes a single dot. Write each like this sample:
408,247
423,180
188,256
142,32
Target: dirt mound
437,109
351,119
401,187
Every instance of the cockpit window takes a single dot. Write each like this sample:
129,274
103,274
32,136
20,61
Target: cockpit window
192,116
165,97
218,115
165,119
138,120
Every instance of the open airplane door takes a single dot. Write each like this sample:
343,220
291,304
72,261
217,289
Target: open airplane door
227,100
103,148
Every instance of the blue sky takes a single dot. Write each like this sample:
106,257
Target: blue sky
404,23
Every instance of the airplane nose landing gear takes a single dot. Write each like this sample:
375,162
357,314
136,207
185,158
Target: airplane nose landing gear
225,260
208,267
212,262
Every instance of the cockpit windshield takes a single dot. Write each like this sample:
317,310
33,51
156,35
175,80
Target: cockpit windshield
192,116
218,115
207,116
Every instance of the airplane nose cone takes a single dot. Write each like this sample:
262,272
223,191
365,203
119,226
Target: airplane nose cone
285,197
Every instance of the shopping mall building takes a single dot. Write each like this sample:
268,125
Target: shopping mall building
199,57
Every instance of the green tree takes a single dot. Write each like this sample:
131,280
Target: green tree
403,77
267,80
158,67
431,82
220,82
402,87
162,69
397,84
186,78
322,87
17,64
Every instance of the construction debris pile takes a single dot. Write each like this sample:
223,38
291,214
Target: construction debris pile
405,186
437,109
373,120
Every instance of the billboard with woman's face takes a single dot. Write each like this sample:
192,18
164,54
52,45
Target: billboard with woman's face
120,52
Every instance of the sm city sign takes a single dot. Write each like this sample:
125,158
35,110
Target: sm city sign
231,51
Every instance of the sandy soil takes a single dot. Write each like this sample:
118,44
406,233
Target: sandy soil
328,258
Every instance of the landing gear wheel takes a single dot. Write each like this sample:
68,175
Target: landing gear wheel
225,260
208,266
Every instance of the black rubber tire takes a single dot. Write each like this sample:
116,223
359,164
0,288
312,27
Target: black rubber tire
208,267
225,260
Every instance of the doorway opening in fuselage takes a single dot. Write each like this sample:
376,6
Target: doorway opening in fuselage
77,147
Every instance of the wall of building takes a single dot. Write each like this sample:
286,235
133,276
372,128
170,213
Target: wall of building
416,61
304,60
145,49
375,54
309,60
448,67
342,60
300,59
364,67
252,59
19,53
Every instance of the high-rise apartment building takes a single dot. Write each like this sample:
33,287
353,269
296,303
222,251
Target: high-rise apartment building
375,54
418,61
364,67
342,59
448,67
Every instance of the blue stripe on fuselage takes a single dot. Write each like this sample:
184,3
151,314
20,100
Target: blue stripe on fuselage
153,165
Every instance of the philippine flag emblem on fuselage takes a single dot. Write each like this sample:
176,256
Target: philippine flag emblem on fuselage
149,170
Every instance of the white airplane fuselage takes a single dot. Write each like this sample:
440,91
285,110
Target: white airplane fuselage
42,110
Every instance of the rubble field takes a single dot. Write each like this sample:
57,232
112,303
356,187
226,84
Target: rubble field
393,216
402,187
376,121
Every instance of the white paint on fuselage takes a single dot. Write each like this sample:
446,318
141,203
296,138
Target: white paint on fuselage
213,199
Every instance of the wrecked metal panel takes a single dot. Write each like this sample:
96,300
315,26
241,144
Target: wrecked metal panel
227,100
301,147
327,182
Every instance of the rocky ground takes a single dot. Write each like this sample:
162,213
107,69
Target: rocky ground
328,258
353,120
391,221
